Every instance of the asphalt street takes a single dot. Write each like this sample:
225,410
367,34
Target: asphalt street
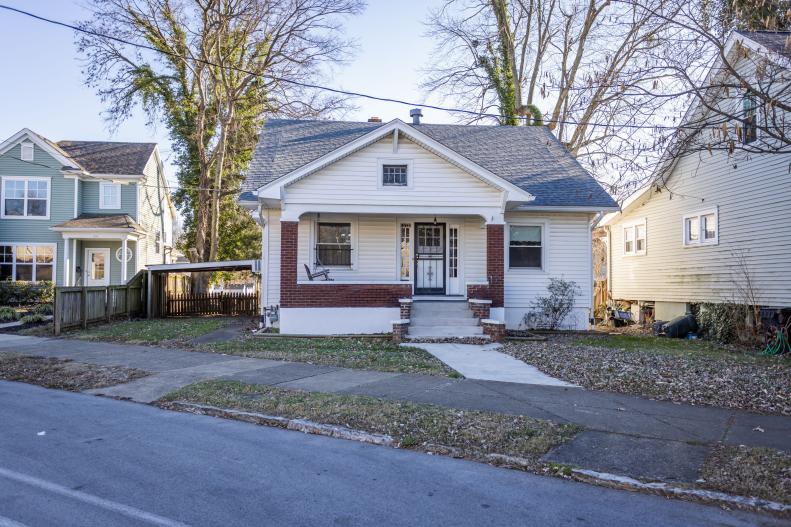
79,460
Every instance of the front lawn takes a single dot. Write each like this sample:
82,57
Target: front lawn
64,374
160,331
473,435
692,372
760,472
379,354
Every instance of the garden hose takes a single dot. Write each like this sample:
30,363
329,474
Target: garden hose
778,345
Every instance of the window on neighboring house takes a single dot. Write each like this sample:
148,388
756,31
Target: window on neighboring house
749,119
27,263
25,197
27,152
394,175
334,244
701,228
158,242
525,246
634,239
109,195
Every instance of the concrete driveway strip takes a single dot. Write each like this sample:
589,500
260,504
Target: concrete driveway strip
106,462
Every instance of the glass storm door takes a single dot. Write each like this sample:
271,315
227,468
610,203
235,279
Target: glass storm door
97,267
429,259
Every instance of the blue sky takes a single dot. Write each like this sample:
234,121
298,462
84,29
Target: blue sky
43,88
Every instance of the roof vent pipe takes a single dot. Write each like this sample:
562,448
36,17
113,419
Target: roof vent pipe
415,114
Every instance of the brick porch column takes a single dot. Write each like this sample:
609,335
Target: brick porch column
289,230
495,262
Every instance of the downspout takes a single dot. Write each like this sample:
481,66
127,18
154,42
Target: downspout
263,220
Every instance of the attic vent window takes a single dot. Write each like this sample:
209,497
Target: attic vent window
27,151
394,175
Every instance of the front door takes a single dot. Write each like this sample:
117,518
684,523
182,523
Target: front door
97,267
429,259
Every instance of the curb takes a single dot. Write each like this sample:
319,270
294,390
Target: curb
299,425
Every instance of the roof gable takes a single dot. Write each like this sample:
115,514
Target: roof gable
48,146
526,160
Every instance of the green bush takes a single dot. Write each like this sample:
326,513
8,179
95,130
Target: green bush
43,309
26,293
722,322
32,319
8,314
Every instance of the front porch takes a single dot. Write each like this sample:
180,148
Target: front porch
373,261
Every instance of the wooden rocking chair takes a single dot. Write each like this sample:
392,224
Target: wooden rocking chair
325,273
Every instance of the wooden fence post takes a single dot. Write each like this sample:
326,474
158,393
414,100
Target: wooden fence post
84,307
58,314
108,303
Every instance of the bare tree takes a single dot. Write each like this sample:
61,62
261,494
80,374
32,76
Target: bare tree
590,66
213,69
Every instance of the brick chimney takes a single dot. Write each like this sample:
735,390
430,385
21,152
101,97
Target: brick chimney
375,120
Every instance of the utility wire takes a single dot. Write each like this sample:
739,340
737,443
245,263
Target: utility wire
320,87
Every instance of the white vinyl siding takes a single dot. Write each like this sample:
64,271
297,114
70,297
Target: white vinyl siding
432,181
567,248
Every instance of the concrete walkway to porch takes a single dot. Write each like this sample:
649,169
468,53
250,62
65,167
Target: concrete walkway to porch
484,362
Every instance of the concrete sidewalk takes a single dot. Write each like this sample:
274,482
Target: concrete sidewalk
625,434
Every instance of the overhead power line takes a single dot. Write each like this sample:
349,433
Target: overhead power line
329,89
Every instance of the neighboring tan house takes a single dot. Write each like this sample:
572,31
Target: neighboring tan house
402,212
81,212
708,221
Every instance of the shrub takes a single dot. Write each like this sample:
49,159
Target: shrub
32,319
549,312
8,314
724,322
43,309
25,293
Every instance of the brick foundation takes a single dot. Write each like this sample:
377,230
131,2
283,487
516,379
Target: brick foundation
495,263
480,308
494,329
329,294
400,329
406,308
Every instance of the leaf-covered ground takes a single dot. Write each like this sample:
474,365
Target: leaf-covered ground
64,374
364,353
161,331
760,472
421,426
691,372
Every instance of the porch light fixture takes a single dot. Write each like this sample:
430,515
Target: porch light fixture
435,220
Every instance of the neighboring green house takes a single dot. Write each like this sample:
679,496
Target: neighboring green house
81,212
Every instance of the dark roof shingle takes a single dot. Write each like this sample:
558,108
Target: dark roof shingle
106,157
527,156
777,41
102,221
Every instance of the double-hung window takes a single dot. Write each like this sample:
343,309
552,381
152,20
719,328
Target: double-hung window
701,228
749,119
525,246
334,244
27,263
634,238
109,195
25,197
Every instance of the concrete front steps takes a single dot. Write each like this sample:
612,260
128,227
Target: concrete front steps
443,320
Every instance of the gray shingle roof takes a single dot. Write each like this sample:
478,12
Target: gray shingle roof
102,221
529,157
106,157
777,41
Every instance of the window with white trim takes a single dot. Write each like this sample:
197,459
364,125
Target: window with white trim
333,244
25,197
27,152
109,195
394,175
405,250
749,118
701,228
27,262
634,238
525,246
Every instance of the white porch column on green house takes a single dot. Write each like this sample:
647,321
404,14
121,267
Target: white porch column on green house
124,276
66,262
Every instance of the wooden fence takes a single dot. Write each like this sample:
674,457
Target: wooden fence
80,306
189,304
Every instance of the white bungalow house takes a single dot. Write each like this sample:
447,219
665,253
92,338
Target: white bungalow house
399,214
712,224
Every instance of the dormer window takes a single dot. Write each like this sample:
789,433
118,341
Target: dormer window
27,152
394,175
